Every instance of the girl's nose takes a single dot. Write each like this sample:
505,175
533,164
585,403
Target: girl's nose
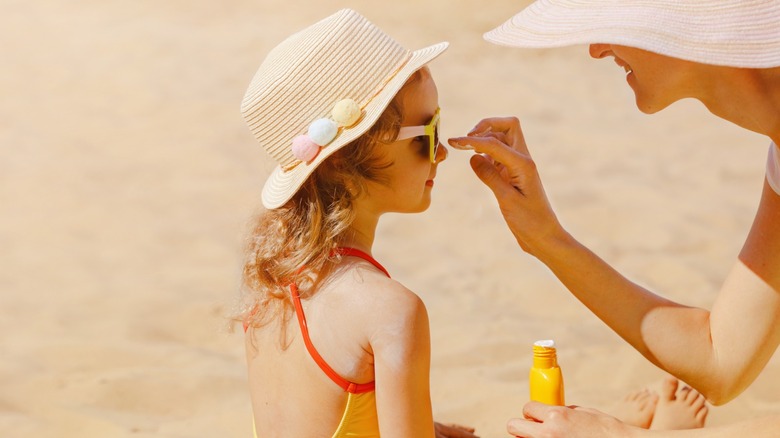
441,153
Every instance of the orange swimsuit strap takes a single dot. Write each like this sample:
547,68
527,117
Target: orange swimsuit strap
346,385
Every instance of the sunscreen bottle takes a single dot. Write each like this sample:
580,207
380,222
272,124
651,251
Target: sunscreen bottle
546,380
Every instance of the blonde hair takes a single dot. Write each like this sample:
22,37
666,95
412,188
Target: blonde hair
296,242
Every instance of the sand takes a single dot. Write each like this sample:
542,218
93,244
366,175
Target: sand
127,178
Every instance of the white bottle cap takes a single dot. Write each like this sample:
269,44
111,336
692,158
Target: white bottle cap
547,343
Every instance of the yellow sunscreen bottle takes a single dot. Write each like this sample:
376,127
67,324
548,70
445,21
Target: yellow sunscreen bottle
546,379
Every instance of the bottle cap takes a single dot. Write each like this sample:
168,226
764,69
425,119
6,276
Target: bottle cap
546,343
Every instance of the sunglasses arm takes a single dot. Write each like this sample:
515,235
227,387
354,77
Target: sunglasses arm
407,132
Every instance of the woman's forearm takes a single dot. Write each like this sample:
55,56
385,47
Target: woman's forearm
672,336
719,353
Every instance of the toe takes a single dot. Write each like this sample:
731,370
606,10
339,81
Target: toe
668,388
686,394
701,415
698,402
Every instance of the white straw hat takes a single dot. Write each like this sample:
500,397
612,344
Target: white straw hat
737,33
342,59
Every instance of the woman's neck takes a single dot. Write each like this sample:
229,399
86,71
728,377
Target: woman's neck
749,98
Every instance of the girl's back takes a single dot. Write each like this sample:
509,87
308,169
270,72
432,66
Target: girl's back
291,394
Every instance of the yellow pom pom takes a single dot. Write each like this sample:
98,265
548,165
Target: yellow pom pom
346,112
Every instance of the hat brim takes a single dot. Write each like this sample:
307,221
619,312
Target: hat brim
281,185
668,27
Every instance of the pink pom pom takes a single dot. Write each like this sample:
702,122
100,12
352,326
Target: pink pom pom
304,149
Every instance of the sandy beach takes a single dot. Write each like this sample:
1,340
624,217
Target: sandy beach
127,179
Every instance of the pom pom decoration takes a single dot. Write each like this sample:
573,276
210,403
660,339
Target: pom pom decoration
323,131
346,112
304,149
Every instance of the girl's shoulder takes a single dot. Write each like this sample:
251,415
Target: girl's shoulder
378,298
395,323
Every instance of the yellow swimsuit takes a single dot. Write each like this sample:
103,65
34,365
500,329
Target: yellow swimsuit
360,418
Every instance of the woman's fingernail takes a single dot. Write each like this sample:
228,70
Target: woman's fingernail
458,143
473,132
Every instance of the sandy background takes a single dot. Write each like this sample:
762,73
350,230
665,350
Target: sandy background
127,178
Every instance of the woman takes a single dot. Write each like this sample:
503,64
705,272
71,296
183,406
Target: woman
334,345
725,53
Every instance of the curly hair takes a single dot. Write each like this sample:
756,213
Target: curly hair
296,242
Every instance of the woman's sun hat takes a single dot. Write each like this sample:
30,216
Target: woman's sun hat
320,89
736,33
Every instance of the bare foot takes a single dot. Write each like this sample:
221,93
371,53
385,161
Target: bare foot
678,408
637,408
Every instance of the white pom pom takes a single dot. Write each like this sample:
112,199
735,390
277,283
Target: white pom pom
323,131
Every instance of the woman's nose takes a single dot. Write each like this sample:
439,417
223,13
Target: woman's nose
441,153
599,51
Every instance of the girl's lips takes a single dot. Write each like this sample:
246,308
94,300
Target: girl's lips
429,183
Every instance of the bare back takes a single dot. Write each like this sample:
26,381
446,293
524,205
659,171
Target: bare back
291,395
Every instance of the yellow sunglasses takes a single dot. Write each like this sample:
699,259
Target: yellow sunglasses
431,130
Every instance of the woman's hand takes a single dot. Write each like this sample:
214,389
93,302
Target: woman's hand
504,164
547,421
453,431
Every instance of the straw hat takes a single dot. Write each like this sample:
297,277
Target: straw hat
737,33
320,89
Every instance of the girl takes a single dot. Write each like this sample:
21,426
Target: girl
336,347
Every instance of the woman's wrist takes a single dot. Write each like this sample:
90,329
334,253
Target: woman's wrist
549,246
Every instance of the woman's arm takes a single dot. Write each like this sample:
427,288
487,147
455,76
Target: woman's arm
717,353
745,319
400,340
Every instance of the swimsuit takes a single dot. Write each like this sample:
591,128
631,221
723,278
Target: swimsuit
359,419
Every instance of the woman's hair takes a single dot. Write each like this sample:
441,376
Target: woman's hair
296,242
